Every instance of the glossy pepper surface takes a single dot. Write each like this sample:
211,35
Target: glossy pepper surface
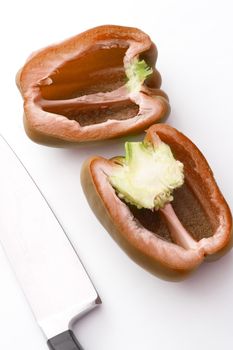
97,85
174,240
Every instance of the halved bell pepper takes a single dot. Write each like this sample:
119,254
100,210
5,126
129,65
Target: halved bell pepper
167,222
98,85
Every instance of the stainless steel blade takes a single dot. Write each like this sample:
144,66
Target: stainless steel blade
46,265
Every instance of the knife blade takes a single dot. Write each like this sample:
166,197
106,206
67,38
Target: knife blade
46,265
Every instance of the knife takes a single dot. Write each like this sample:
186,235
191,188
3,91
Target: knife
46,265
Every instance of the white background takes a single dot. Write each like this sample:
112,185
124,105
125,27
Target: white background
139,311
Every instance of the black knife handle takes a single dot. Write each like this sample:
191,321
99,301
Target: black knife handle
64,341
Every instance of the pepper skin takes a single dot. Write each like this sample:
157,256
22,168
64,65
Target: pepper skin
173,241
76,91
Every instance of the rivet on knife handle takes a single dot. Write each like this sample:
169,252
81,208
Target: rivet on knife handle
64,341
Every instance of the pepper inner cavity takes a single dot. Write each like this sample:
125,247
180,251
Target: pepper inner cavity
152,221
146,178
95,114
90,89
98,70
191,213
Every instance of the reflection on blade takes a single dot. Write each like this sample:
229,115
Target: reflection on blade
47,267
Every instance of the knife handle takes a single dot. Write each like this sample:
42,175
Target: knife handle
64,341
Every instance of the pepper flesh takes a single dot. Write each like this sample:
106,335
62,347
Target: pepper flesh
171,258
76,91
